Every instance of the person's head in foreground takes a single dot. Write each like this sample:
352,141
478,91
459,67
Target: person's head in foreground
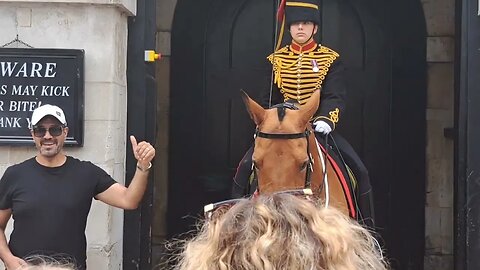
281,231
40,262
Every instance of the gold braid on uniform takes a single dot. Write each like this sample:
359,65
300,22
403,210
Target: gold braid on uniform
295,74
334,117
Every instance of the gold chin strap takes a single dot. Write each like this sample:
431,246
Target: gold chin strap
280,36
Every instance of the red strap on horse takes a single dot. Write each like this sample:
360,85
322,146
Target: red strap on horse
343,181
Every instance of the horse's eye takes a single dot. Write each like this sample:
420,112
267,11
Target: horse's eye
304,166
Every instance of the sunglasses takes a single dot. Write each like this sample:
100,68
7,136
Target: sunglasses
216,209
39,131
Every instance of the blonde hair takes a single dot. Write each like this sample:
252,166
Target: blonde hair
41,262
281,231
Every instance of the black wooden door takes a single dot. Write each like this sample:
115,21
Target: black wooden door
219,47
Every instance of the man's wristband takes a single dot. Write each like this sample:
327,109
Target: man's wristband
144,170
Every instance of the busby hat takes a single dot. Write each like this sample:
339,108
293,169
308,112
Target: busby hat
298,10
290,11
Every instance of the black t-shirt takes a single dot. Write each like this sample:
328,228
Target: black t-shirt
50,206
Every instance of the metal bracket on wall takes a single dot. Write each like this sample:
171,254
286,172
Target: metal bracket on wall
449,133
16,40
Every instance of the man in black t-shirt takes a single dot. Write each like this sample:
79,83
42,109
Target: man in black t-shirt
50,195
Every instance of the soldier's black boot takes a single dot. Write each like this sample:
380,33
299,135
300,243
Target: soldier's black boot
367,211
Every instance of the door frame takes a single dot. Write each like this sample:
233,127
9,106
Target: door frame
141,122
467,132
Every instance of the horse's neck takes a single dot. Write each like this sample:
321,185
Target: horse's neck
336,196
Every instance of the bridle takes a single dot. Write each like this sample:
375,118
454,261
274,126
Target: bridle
289,136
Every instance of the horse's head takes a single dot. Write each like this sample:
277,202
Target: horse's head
281,158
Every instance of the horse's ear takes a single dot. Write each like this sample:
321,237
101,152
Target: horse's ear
309,108
257,113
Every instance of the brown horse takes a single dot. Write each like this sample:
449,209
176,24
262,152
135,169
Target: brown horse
286,155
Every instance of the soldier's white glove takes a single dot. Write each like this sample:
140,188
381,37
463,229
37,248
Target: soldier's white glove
322,127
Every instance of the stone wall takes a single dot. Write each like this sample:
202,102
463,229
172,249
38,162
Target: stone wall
100,28
439,208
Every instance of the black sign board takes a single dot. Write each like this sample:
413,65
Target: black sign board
32,77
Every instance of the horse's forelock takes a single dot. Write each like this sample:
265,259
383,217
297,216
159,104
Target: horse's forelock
281,113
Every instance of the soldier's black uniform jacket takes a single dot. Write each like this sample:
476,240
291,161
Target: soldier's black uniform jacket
300,70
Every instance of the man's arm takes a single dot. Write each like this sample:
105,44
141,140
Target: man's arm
126,198
129,198
10,261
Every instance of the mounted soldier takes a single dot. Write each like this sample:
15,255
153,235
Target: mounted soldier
299,69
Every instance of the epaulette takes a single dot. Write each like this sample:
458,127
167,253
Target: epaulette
281,51
325,49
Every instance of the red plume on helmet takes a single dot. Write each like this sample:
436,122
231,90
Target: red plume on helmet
281,22
281,11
